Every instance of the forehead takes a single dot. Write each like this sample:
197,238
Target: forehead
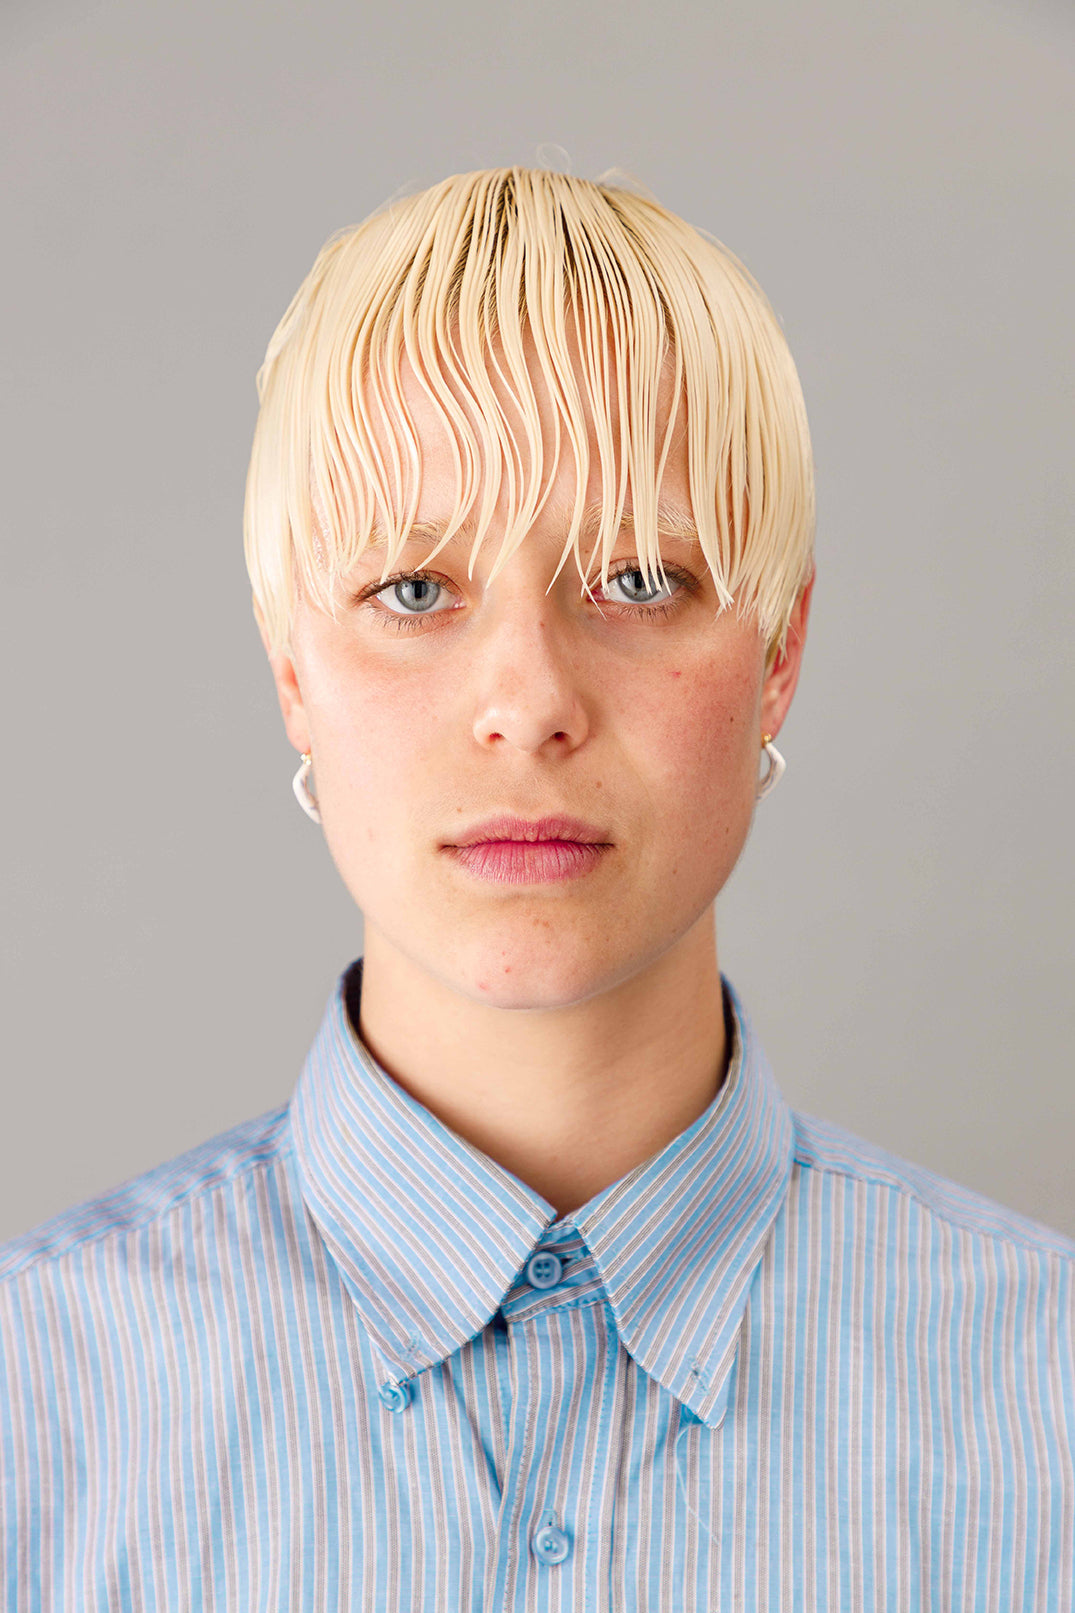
429,535
497,436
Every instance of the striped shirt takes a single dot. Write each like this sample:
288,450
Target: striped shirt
337,1358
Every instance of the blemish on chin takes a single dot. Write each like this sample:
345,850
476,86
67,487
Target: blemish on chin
675,672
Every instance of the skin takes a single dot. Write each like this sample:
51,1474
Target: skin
569,1030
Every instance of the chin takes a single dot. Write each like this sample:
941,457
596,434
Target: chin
551,974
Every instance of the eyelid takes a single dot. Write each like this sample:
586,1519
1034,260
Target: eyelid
373,589
672,574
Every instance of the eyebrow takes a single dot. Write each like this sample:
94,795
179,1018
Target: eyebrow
671,523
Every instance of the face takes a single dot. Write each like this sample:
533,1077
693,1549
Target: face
438,703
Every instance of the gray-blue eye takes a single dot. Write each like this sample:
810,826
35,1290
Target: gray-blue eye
638,588
425,589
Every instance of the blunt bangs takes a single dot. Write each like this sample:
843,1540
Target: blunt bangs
511,296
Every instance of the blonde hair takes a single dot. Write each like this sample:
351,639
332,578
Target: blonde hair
615,294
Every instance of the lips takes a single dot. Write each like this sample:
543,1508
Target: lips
522,830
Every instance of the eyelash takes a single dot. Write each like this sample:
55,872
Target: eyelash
394,621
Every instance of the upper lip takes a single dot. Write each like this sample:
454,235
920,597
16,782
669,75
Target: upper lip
510,828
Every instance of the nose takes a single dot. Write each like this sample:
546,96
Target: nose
527,682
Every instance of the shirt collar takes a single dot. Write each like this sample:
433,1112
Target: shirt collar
431,1236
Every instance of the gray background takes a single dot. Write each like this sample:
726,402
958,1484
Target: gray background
899,178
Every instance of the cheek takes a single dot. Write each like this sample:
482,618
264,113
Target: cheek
700,725
377,736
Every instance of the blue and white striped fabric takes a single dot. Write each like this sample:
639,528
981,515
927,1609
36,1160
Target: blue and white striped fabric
313,1364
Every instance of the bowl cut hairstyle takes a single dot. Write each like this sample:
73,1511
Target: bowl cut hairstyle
510,295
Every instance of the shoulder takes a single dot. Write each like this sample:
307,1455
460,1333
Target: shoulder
826,1150
149,1199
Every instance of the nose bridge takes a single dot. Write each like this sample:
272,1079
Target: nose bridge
526,620
527,669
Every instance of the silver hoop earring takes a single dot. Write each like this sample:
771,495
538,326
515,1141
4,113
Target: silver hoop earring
776,768
303,794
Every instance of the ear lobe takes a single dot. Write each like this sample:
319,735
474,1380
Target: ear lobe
783,674
289,694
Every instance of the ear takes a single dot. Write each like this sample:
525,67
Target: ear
288,691
783,674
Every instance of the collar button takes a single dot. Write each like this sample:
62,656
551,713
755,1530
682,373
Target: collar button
543,1270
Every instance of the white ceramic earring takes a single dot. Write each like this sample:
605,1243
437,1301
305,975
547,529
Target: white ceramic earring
303,794
776,768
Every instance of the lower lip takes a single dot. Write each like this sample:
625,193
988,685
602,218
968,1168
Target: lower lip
528,862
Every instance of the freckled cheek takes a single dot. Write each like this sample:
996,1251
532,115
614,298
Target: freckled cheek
702,730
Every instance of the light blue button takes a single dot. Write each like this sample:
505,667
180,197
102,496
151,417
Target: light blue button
395,1395
548,1543
543,1271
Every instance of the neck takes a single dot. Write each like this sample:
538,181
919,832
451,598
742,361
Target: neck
568,1099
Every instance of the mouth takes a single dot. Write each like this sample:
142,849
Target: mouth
522,830
516,851
529,862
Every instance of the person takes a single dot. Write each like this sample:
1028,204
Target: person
537,1293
